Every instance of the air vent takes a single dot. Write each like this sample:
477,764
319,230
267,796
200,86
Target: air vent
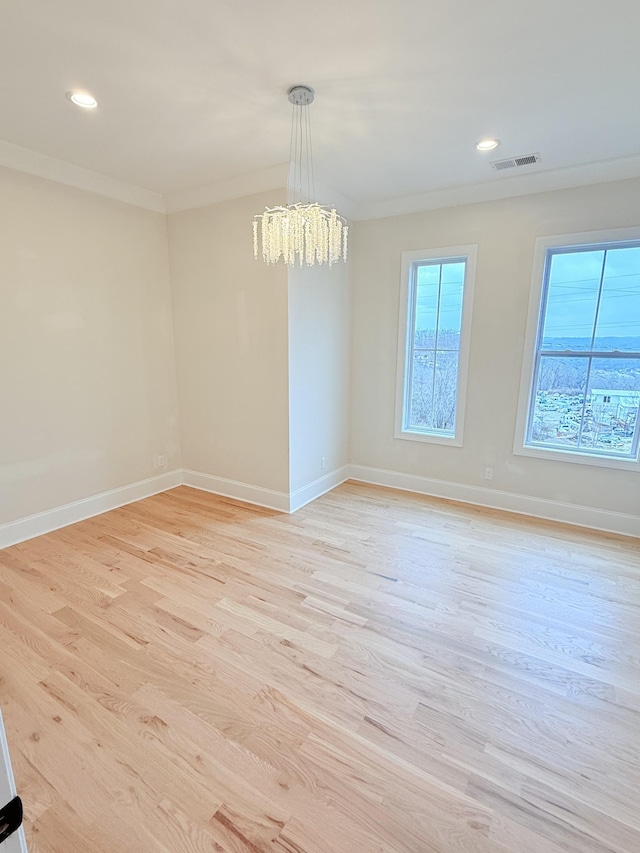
515,162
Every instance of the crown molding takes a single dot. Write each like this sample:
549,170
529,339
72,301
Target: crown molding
24,160
602,171
275,178
251,183
329,196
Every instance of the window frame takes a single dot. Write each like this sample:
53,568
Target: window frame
410,260
610,238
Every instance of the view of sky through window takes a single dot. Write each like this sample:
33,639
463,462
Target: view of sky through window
574,290
437,324
587,379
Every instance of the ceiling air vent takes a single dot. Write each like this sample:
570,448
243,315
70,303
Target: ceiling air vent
515,162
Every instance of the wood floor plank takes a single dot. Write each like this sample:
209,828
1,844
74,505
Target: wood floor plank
378,673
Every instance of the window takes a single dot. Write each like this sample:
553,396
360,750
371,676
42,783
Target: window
433,343
583,379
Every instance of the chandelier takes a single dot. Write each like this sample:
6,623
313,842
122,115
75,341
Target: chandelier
302,230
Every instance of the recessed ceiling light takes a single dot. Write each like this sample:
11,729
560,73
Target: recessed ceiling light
82,99
487,144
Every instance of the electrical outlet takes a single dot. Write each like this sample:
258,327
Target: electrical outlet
160,460
488,473
323,463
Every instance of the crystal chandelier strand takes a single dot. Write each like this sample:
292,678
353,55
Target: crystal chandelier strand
302,231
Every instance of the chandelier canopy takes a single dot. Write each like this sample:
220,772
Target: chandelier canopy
303,230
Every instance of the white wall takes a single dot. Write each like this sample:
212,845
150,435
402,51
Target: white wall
88,368
319,330
87,379
262,356
505,232
230,315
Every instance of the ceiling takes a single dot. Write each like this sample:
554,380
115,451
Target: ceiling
193,93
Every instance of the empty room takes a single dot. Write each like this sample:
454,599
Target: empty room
319,433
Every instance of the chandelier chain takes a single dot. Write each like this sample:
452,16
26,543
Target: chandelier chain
312,188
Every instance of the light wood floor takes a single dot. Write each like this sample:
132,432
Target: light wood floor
378,672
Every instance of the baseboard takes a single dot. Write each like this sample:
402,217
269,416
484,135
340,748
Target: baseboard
269,498
45,522
61,516
318,487
595,519
54,519
258,495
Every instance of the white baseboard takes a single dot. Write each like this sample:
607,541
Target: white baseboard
239,491
318,487
44,522
269,498
54,519
596,519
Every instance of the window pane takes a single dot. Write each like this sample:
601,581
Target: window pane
444,398
591,305
611,416
433,393
450,315
618,326
604,421
435,286
572,299
421,401
426,313
559,401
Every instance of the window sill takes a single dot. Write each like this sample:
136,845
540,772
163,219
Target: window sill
577,458
429,438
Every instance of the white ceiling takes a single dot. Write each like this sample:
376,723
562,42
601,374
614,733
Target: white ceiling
193,93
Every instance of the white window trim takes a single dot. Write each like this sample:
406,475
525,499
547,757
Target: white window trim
470,255
579,241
